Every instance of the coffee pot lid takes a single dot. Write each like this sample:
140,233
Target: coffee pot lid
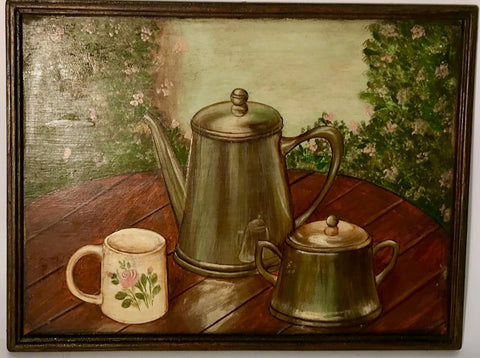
331,235
237,119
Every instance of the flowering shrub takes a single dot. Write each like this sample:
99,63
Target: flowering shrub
85,104
408,145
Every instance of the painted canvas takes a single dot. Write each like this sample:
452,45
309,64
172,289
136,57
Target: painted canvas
356,119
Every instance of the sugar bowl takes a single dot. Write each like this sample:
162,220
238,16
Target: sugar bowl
326,276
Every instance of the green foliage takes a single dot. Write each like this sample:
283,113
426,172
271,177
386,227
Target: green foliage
94,74
408,145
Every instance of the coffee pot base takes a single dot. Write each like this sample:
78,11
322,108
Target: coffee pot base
326,324
214,270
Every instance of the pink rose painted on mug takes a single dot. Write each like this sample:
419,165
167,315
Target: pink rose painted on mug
138,290
129,278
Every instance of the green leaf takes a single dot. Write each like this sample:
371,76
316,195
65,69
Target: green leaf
126,303
140,296
156,290
153,279
120,295
115,281
143,279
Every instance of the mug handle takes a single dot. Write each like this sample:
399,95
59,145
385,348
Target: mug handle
379,278
258,259
83,251
335,139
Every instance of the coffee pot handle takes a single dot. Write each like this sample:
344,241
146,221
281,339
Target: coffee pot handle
387,243
335,139
259,262
83,251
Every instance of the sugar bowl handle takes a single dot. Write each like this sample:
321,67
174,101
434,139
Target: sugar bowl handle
387,243
258,260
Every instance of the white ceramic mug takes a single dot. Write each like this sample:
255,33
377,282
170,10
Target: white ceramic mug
133,276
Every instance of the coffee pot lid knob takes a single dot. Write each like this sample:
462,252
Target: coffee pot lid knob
239,98
332,228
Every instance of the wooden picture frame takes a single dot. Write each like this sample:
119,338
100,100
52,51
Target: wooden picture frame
40,334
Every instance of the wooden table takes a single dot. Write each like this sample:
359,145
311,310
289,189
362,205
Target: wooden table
414,295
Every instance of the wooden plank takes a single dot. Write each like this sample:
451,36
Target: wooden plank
419,313
304,191
405,224
360,206
118,208
293,175
253,316
413,270
203,305
71,315
49,209
50,297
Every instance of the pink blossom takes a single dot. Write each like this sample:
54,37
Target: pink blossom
446,179
390,127
402,96
150,269
328,116
446,213
66,154
370,149
174,123
165,88
145,34
442,70
110,274
180,46
137,99
93,114
368,111
390,30
353,127
387,58
57,33
312,145
417,32
129,278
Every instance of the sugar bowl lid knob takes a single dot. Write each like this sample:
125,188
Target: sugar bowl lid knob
332,228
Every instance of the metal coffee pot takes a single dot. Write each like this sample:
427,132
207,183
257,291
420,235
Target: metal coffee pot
236,177
326,276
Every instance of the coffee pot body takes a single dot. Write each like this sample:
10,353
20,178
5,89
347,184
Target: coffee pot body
236,177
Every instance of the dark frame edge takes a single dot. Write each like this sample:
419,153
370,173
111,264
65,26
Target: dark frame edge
15,339
14,179
462,179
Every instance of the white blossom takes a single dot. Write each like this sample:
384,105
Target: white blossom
391,174
446,179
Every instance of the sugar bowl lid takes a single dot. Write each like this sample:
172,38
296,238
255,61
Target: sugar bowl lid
331,235
237,119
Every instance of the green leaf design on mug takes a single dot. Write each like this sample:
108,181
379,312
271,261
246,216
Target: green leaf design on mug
120,295
138,290
126,303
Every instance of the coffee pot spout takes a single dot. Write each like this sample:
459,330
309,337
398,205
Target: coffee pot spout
171,169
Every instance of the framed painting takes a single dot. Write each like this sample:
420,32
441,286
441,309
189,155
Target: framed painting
237,176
